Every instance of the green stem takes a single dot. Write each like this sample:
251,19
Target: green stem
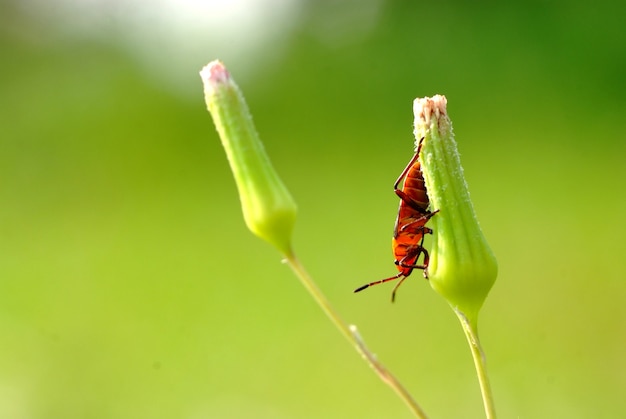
471,333
351,333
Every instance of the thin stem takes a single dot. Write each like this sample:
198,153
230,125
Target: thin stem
471,333
351,333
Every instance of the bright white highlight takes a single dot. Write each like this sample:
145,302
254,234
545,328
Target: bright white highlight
175,38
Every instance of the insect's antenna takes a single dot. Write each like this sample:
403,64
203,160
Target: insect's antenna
393,293
382,281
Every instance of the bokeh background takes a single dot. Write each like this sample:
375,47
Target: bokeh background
130,287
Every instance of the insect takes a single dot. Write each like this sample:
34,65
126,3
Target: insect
410,228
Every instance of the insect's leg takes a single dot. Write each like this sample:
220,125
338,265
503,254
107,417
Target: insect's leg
405,171
408,227
413,253
415,266
408,166
426,262
419,146
361,288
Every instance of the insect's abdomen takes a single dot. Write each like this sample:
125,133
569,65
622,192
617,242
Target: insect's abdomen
415,187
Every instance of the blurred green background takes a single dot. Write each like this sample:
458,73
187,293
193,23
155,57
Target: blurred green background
130,287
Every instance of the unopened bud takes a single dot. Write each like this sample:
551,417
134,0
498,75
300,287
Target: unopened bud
268,209
462,267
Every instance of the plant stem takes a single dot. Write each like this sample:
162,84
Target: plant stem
471,333
351,333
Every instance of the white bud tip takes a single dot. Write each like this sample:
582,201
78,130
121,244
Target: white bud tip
423,108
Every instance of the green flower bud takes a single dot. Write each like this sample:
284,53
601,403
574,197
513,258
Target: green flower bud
268,208
462,267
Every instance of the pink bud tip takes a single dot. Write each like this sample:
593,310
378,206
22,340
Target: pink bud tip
215,73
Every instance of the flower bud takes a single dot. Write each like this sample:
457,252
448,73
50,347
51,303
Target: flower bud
268,209
462,267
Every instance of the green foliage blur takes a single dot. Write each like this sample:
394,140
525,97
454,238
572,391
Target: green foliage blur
130,287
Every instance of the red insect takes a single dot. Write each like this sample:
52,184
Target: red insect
410,228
